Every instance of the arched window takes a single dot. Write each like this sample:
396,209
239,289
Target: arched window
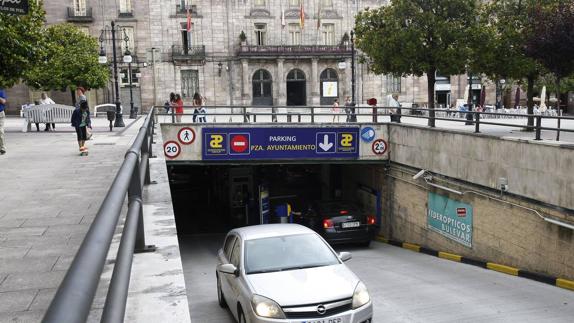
262,88
296,75
329,86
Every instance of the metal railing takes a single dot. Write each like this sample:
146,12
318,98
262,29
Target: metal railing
188,52
265,50
313,114
80,15
75,295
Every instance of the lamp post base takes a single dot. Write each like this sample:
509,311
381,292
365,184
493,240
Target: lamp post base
119,123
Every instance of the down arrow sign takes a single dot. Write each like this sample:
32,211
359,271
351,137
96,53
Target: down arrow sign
326,145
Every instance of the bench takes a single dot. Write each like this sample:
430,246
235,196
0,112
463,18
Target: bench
46,113
103,108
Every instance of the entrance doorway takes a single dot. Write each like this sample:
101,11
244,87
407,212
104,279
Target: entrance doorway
329,86
296,88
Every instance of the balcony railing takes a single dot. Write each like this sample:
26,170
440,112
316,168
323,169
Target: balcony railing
181,9
294,50
80,15
126,13
187,53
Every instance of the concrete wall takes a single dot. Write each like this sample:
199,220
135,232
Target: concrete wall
502,233
504,230
536,170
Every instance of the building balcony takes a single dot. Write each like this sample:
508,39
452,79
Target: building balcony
126,14
182,10
327,51
80,16
190,54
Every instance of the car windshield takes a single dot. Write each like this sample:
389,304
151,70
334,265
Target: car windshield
287,253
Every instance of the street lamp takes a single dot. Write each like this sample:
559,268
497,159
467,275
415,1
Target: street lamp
352,75
128,60
103,60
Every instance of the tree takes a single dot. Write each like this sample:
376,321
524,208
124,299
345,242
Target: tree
498,44
551,41
416,37
21,43
70,60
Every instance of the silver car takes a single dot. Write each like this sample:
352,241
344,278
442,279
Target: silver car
288,273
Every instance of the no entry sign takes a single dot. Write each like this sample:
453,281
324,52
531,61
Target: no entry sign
239,143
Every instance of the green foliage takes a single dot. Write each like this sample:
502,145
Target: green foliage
414,37
21,43
499,39
71,60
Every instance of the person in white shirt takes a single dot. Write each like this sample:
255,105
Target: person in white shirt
46,100
395,108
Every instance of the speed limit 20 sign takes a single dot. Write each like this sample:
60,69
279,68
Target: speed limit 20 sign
379,147
171,149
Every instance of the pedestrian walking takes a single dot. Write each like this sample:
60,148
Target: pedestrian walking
348,106
81,95
81,121
2,120
395,108
46,100
178,108
199,111
335,110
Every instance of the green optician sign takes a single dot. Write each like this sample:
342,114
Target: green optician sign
451,218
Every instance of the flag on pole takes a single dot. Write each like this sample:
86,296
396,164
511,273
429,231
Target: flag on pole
319,16
302,16
282,17
188,20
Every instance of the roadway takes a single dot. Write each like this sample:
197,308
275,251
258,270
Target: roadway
405,287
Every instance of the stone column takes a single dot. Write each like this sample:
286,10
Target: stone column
281,84
245,86
315,99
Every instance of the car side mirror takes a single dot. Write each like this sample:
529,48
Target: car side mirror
228,269
344,256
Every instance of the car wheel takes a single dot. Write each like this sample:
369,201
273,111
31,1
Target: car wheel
220,298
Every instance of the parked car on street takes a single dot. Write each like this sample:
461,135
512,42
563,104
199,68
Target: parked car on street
288,273
339,222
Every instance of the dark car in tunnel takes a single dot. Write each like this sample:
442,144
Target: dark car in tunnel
339,222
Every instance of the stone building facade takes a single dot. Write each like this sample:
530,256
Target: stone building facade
281,61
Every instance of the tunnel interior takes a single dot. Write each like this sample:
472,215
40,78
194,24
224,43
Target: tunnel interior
217,198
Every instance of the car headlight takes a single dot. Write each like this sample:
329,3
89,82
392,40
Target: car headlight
266,307
360,296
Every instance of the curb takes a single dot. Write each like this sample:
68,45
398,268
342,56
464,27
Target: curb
556,281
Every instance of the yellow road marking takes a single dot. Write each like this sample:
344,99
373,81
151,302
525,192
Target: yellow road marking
502,268
411,246
449,256
564,283
382,239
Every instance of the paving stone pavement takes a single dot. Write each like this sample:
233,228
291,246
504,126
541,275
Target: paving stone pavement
49,196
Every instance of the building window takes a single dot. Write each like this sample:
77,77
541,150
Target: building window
125,6
260,31
189,83
187,38
328,34
129,32
294,34
327,3
80,8
262,84
294,3
393,84
259,3
125,79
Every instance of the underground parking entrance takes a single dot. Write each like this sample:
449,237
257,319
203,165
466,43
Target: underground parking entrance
215,198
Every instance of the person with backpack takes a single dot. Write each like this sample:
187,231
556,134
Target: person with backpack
81,121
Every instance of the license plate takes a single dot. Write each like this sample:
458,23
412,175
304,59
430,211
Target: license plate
346,225
331,320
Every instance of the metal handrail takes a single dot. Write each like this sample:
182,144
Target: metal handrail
75,295
476,120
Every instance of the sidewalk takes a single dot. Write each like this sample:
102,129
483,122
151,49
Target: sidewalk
49,196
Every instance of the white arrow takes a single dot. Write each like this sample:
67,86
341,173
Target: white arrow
326,145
